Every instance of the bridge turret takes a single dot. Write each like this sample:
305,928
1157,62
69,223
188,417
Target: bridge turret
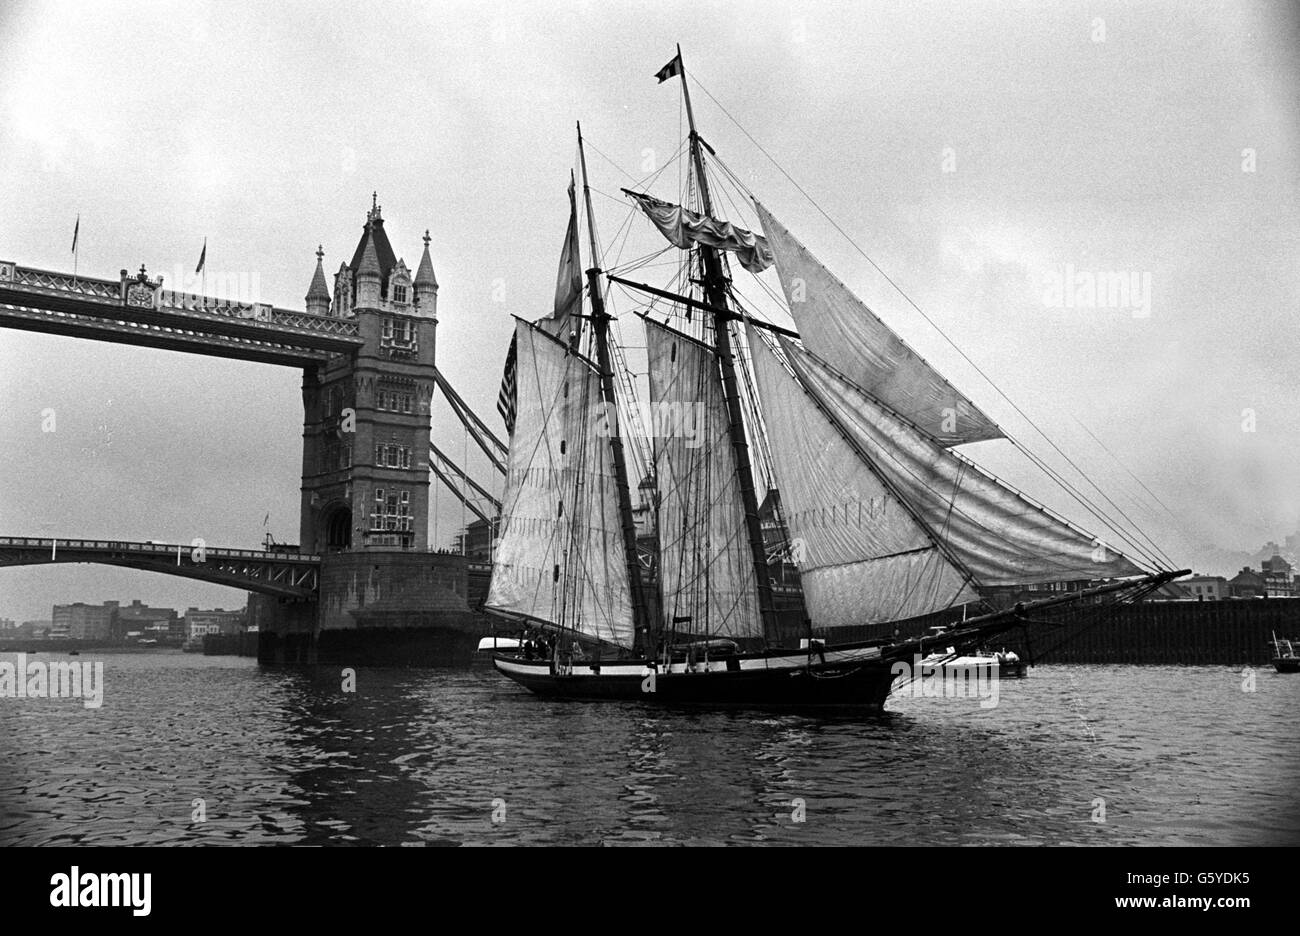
366,429
426,284
369,276
318,294
342,307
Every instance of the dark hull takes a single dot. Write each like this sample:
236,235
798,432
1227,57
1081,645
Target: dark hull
861,686
1286,664
856,676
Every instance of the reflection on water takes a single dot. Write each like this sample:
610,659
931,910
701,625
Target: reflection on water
1174,755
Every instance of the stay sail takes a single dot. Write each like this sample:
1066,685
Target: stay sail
891,524
839,326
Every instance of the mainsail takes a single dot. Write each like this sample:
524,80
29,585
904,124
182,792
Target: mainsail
706,569
838,326
561,559
890,523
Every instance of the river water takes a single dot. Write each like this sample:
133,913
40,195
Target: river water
187,749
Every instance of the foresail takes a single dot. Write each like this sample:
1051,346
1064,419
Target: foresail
561,558
837,325
706,566
992,532
862,557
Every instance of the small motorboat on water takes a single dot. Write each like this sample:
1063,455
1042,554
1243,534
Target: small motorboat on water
1004,662
1286,657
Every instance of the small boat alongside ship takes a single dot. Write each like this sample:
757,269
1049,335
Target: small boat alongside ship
1286,654
1006,663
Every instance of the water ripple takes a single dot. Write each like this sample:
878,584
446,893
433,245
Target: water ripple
1174,755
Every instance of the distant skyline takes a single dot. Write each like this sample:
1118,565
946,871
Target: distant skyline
124,603
979,152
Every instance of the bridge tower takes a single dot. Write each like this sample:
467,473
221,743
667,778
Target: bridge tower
363,587
365,472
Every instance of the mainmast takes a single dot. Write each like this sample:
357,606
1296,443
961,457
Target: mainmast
715,295
645,631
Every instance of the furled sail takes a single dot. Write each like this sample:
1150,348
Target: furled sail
561,558
683,228
706,567
863,558
837,325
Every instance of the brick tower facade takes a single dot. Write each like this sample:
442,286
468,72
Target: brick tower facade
365,475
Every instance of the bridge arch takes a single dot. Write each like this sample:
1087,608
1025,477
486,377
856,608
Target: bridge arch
284,574
338,526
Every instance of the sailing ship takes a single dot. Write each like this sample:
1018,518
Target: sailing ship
886,523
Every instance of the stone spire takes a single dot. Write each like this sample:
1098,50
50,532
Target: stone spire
425,283
318,294
368,273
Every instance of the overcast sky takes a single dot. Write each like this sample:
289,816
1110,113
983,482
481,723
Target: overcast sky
1098,136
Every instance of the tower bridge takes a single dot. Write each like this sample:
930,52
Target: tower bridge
364,583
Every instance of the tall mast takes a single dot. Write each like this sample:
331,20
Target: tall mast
715,294
644,627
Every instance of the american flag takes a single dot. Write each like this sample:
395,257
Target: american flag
506,398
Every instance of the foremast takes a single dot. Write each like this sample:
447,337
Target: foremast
646,637
714,282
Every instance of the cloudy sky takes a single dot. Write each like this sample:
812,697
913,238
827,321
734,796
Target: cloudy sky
974,150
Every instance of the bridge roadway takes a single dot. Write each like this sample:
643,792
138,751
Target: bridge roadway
284,574
138,310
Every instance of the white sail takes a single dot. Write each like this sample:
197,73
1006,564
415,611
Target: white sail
706,565
990,530
838,326
862,556
561,558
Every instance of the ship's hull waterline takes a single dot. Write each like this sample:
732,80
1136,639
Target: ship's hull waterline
838,679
